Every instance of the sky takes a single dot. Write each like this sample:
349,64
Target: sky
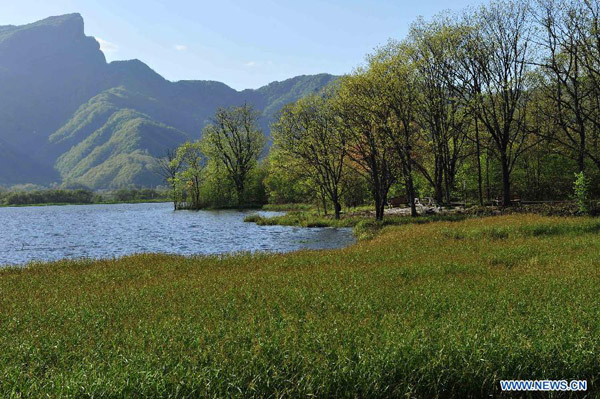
245,44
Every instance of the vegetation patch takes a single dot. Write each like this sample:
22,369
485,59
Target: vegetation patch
22,197
411,313
365,227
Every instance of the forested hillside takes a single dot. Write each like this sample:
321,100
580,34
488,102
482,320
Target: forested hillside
66,115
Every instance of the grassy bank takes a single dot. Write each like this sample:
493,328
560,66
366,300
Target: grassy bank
439,309
288,207
365,227
242,207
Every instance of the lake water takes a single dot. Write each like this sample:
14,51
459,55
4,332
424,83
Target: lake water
102,231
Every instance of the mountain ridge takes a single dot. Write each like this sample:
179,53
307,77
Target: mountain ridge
74,118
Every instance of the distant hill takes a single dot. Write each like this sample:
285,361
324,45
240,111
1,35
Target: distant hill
68,115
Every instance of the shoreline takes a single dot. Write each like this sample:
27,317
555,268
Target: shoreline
86,203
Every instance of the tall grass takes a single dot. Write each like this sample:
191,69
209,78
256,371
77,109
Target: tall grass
430,310
288,207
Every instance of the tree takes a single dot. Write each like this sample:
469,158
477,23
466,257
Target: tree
285,180
494,61
443,118
369,148
393,78
192,160
310,130
567,87
589,34
235,140
217,189
168,167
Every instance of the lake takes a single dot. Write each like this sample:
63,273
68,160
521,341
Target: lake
49,233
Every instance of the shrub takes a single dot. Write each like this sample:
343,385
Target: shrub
582,189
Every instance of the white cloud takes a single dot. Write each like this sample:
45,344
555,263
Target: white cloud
106,46
180,47
258,64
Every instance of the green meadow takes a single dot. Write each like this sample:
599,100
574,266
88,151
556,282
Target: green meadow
442,309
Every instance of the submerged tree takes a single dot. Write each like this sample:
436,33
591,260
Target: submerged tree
168,167
189,179
235,140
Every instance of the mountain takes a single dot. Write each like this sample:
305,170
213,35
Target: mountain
66,115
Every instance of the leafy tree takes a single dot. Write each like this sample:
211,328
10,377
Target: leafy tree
310,130
285,180
496,99
565,83
217,190
369,146
493,64
189,179
168,167
235,140
444,119
393,97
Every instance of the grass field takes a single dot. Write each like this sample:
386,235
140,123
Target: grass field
443,309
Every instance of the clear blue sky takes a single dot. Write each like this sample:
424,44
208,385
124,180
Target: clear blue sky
244,44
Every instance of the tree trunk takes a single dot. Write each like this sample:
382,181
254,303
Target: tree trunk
379,204
174,194
410,186
505,180
479,177
338,209
487,176
581,155
447,184
438,190
196,193
239,188
380,210
410,193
